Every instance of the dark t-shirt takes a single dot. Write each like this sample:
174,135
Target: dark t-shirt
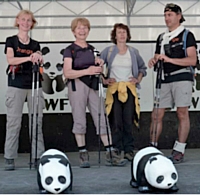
177,51
23,78
84,58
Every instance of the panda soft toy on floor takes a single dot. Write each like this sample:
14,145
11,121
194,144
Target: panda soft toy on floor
151,171
54,173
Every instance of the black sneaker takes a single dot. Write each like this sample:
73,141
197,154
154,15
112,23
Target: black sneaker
176,157
129,156
84,160
9,164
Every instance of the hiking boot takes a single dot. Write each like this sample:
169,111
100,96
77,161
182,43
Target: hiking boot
129,156
84,160
9,164
116,159
176,157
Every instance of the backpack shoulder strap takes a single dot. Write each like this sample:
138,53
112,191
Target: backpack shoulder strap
73,51
90,47
184,38
109,52
161,37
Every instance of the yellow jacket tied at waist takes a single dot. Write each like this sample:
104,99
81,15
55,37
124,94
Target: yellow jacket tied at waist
121,87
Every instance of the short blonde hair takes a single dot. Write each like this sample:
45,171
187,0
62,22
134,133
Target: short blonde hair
27,12
83,21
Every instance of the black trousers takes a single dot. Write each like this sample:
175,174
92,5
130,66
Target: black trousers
121,122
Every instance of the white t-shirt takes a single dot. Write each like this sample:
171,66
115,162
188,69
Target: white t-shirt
121,68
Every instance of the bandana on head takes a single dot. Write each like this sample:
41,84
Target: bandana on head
171,7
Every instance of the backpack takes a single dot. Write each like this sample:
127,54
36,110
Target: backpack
184,39
74,53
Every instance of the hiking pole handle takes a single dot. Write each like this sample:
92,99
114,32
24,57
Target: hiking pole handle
159,74
96,54
36,67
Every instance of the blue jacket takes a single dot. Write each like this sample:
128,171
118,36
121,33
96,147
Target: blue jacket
138,64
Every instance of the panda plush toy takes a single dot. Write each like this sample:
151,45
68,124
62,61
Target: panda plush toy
54,173
151,171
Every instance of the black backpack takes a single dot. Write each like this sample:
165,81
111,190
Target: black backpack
184,39
74,54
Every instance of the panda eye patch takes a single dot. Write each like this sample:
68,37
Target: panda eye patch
160,179
174,176
62,179
46,65
48,180
59,67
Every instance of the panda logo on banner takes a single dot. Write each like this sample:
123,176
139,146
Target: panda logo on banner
52,72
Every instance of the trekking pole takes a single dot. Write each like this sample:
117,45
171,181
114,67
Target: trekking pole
100,87
37,111
99,121
35,70
105,116
32,114
106,119
97,54
157,98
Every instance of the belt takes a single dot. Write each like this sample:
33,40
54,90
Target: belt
183,70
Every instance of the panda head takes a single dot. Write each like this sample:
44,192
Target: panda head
160,172
55,175
53,78
52,67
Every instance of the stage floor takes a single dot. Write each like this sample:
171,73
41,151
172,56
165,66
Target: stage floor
97,179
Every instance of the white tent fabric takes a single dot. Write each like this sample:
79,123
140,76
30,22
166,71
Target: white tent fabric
145,17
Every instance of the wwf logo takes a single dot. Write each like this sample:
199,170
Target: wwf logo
52,72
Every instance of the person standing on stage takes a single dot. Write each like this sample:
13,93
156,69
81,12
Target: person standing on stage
80,68
22,53
176,86
126,68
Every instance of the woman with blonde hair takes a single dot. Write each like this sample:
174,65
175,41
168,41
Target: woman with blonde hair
80,68
22,53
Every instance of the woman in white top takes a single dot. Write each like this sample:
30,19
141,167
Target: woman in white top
126,69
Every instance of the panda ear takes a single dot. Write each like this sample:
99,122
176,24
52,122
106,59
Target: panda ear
43,161
152,159
62,51
64,161
45,50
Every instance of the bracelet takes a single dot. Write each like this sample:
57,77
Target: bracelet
39,52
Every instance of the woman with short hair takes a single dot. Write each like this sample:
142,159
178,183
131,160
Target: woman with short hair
81,68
